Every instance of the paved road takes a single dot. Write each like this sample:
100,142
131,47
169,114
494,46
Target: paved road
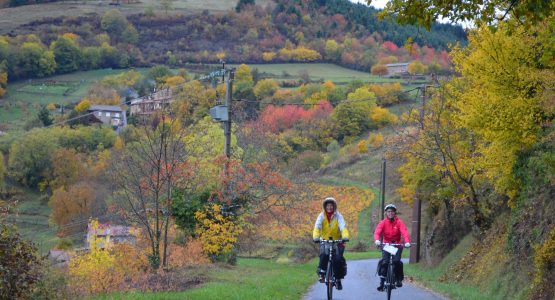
361,282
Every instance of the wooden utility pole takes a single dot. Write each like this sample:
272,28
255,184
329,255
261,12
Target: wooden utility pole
416,216
228,96
417,206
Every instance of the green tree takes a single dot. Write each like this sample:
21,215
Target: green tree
265,88
159,72
29,161
243,78
114,23
35,61
242,3
67,54
44,116
192,101
353,115
92,57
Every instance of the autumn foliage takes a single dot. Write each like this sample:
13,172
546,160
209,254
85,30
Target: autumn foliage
276,118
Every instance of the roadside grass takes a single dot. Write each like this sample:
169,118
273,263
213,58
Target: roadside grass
250,279
494,289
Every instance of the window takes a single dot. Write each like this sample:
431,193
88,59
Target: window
117,115
107,114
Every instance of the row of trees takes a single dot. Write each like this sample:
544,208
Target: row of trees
472,154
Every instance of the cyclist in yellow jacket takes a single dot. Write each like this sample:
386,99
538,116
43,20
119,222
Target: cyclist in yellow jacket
331,225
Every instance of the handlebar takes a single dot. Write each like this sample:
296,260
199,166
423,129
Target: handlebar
331,241
391,244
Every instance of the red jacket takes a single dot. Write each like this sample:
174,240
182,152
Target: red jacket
392,231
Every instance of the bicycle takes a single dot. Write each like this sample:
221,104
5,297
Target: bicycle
330,246
390,279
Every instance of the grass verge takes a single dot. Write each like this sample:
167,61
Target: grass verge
251,279
430,277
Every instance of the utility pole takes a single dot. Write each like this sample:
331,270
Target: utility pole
417,205
228,96
422,106
382,189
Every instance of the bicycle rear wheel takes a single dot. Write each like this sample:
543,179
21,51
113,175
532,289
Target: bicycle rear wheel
329,281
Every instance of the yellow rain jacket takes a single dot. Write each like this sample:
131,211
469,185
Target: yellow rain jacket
336,228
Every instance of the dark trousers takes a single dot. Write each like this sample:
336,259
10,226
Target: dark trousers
339,262
397,265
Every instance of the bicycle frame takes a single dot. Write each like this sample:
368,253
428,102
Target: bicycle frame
390,279
329,280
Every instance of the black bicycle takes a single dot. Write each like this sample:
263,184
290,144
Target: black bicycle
330,247
390,278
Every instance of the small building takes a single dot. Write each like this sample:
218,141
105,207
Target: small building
398,68
112,234
148,104
112,115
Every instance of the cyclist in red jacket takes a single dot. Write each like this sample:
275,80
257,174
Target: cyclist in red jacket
392,229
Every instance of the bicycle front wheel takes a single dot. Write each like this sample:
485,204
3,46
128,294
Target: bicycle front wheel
390,281
329,281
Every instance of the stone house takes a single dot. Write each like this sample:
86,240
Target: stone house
112,115
148,104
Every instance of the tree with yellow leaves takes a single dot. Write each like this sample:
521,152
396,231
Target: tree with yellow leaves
218,233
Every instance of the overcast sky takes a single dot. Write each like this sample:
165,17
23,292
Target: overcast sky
375,3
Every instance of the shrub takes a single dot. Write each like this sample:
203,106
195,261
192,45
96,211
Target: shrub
375,140
544,263
382,117
307,161
217,233
20,265
362,147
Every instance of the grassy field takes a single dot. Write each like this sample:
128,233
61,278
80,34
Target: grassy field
11,18
316,71
31,217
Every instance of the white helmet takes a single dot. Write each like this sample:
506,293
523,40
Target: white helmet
392,206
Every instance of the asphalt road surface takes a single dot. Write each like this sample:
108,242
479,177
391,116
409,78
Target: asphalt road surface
361,282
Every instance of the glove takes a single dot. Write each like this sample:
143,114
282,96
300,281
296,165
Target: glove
407,245
377,243
345,239
316,240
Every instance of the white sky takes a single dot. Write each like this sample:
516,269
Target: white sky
382,3
375,3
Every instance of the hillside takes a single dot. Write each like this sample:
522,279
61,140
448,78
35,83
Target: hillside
335,31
